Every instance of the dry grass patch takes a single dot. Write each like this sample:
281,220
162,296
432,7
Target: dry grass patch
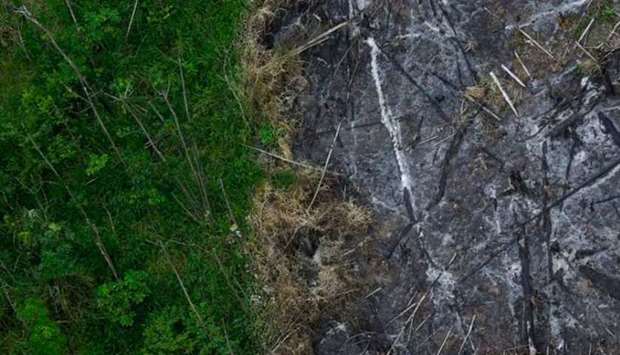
272,76
303,257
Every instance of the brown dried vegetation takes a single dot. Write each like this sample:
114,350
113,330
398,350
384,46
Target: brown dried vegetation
303,252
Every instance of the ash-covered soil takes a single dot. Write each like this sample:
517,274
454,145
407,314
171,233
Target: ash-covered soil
499,226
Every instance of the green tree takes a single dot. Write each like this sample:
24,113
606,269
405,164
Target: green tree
43,335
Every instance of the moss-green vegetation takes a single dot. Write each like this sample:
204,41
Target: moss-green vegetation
603,14
124,181
268,135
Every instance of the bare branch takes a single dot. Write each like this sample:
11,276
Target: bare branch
535,43
275,156
183,288
513,75
85,87
504,94
527,72
327,160
98,241
133,14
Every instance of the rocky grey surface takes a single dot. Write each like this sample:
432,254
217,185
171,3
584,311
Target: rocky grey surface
500,232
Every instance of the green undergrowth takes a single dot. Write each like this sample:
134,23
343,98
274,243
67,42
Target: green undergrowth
600,13
124,181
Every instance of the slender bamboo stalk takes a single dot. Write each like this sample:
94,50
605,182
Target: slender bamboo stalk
85,87
93,227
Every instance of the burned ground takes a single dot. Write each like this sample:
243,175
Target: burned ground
499,227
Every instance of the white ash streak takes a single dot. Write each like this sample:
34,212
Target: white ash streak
391,124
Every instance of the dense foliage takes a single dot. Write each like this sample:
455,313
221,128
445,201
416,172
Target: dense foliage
124,180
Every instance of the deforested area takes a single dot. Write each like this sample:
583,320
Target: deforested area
483,135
